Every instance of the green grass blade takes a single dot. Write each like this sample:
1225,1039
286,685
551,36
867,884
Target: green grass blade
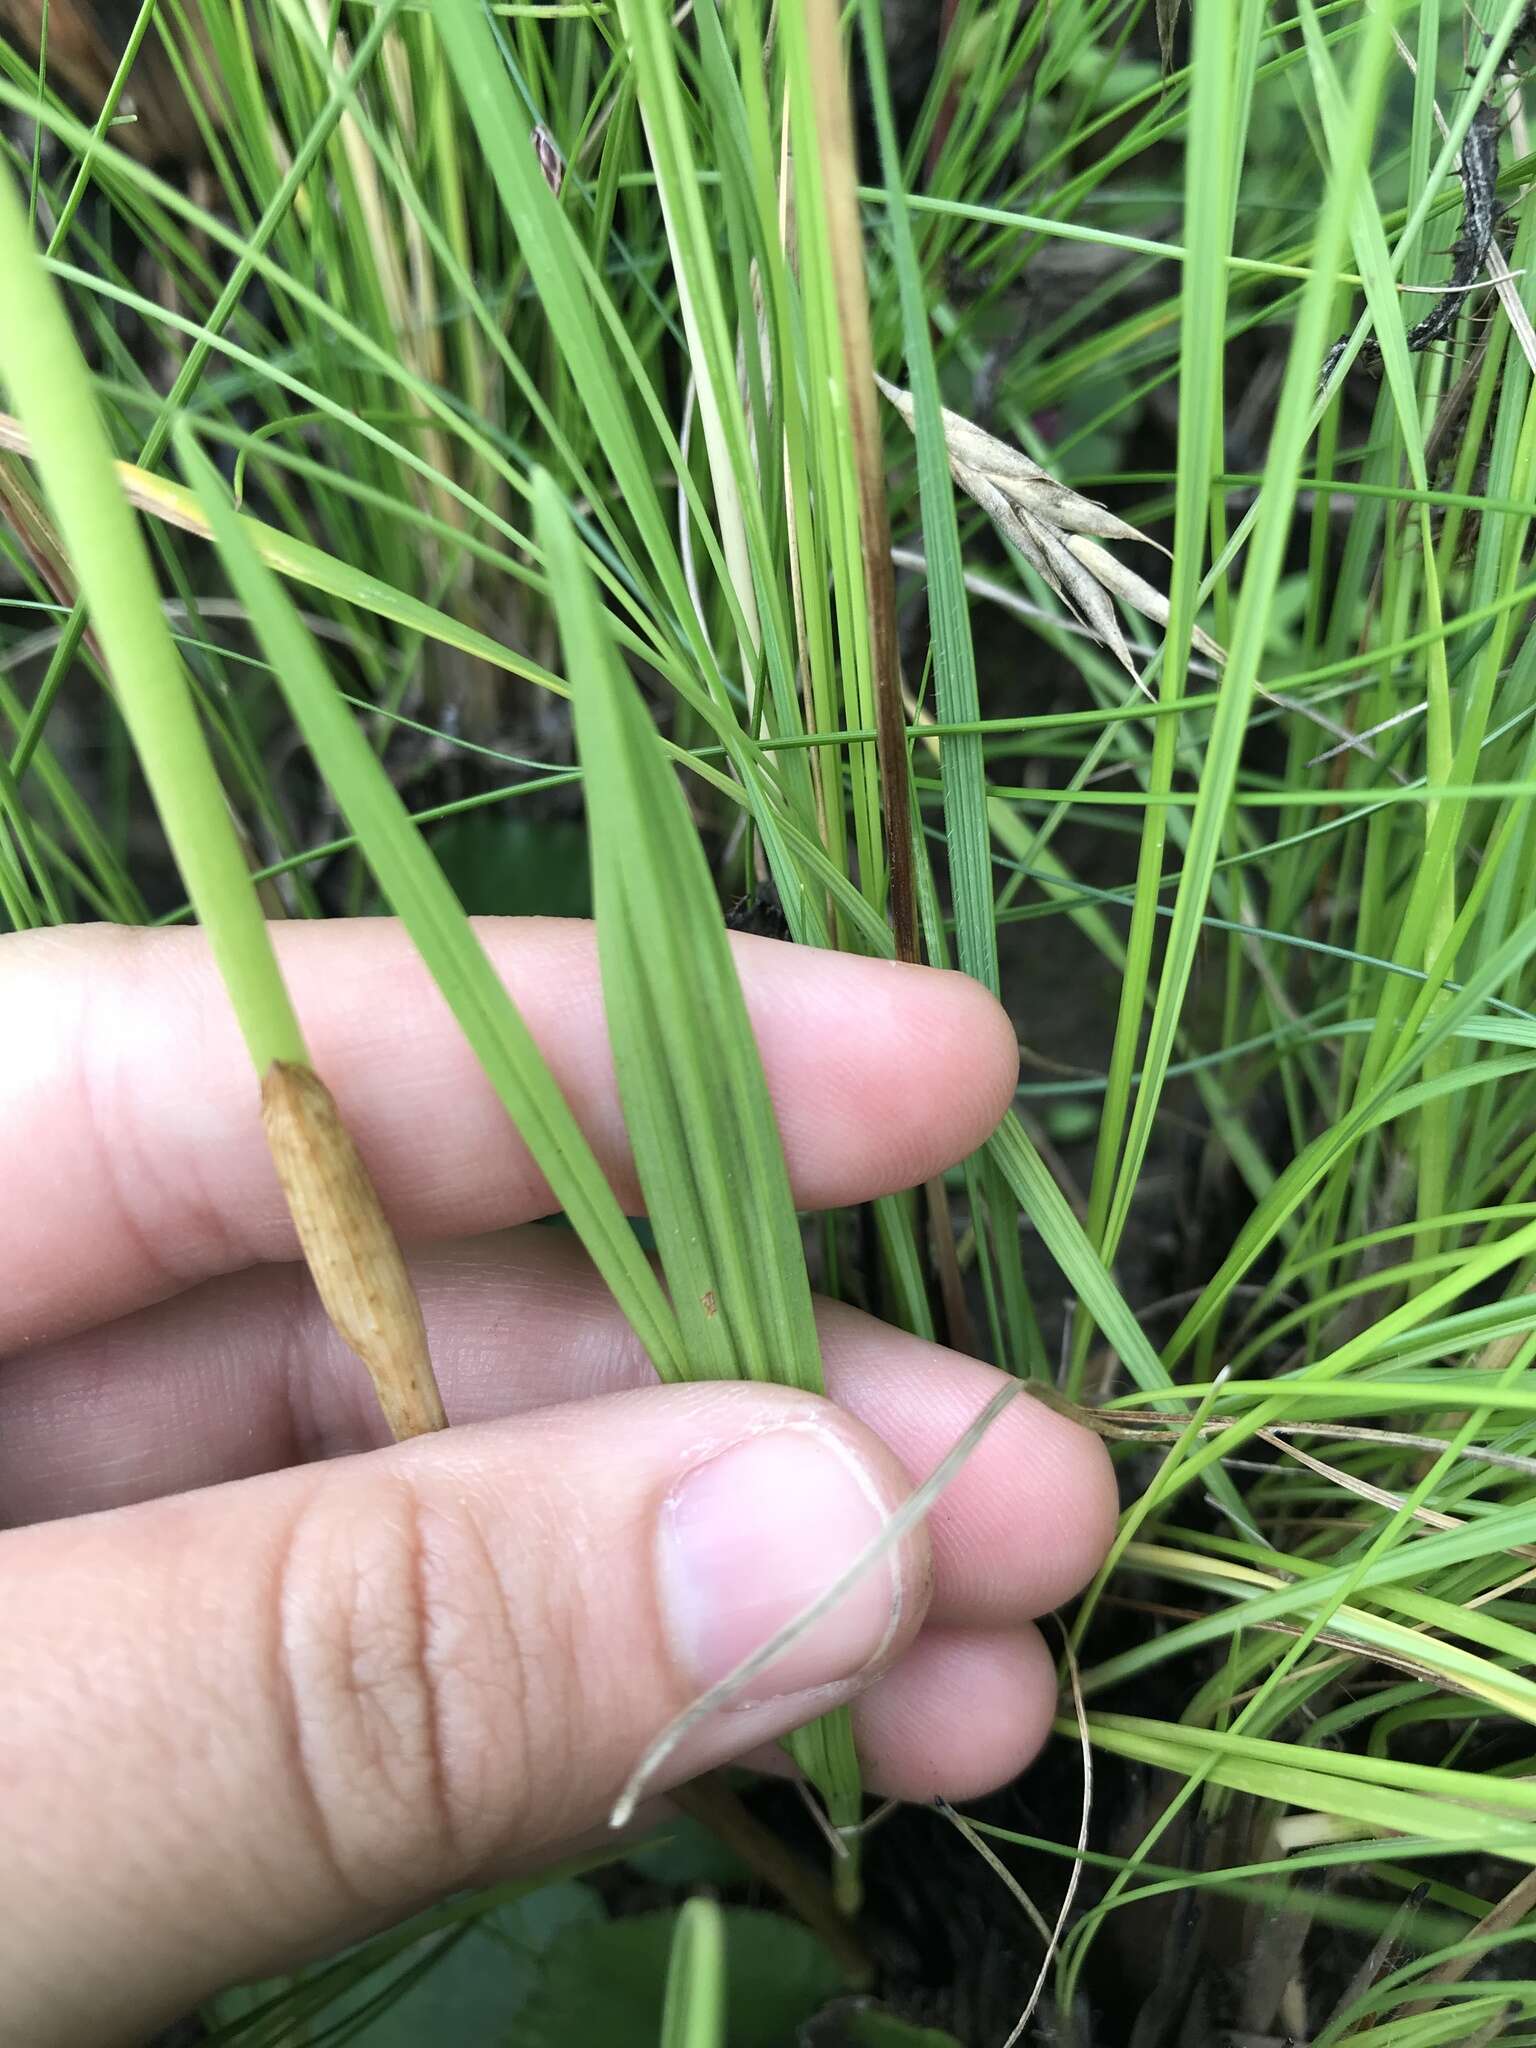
1065,1238
1251,622
442,934
706,1143
41,364
1210,179
694,2013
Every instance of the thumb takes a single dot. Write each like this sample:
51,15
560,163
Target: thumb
253,1722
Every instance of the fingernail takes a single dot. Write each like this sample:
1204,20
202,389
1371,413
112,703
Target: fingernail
750,1539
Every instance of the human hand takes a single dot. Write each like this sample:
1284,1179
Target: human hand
256,1704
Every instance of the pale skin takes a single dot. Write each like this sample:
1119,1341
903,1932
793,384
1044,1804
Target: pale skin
270,1683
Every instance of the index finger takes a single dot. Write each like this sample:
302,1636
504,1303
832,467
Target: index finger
135,1163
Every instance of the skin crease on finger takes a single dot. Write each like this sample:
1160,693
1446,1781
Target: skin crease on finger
317,1698
128,1105
166,1653
139,1138
243,1375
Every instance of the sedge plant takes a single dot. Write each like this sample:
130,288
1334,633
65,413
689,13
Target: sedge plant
502,409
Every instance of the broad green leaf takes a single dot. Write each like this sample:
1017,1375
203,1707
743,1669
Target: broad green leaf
863,2025
607,1984
458,1971
425,1981
685,1853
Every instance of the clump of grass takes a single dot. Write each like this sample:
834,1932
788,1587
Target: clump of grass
1267,1203
358,1267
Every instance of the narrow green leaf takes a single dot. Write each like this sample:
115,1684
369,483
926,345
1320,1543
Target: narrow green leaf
961,763
962,760
1272,529
443,935
694,2013
582,318
41,363
1273,1774
706,1144
1065,1238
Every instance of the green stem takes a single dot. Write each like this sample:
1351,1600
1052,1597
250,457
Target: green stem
41,364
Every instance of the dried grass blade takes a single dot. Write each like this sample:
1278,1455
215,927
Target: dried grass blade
845,243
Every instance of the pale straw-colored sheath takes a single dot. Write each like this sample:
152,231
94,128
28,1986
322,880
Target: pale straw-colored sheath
351,1251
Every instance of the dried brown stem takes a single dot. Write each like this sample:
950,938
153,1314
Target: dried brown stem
1515,1906
834,134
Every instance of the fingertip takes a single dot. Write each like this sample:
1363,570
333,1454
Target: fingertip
964,1711
972,1026
882,1073
954,1048
1082,1502
1101,1504
750,1537
1029,1517
1063,1523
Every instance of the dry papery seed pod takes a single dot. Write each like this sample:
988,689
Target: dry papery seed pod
1055,529
353,1255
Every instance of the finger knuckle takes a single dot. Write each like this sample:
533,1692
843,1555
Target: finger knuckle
406,1687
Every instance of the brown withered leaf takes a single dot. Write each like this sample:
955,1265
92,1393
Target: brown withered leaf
1056,529
353,1255
1168,12
551,162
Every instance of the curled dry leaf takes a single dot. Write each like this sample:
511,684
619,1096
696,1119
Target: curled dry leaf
1055,529
352,1253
